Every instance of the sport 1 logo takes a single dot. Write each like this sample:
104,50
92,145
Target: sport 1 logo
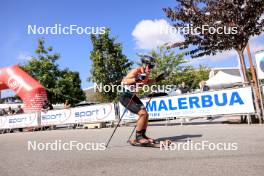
104,112
55,117
96,113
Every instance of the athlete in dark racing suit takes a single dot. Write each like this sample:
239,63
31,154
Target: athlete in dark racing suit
138,76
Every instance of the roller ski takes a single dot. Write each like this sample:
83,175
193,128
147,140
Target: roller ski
155,144
143,141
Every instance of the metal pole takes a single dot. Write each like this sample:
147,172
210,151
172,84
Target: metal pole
261,101
119,121
255,84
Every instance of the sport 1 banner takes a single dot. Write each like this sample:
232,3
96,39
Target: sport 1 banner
55,117
19,121
95,113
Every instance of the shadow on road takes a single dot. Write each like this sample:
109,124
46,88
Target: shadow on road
180,138
187,123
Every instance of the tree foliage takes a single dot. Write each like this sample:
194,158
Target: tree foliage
242,14
110,65
60,84
193,76
178,68
167,60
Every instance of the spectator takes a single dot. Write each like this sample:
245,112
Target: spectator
184,89
67,104
203,86
19,110
10,111
3,112
47,105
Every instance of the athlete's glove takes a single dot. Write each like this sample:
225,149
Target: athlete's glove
160,77
140,77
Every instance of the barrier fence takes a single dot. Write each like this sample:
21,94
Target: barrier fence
222,102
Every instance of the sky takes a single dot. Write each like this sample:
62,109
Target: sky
135,23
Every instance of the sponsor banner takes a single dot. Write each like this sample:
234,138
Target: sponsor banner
229,101
95,113
260,64
55,117
19,121
4,122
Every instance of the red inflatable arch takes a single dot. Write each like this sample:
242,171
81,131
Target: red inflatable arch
28,89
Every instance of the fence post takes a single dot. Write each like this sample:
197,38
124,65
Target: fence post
256,105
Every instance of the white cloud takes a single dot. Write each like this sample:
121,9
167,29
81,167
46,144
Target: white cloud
149,34
24,56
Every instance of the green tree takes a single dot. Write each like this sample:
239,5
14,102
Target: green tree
178,68
241,18
109,66
167,60
193,76
69,85
60,84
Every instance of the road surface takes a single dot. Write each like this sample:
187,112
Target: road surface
244,158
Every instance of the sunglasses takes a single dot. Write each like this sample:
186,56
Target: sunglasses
151,66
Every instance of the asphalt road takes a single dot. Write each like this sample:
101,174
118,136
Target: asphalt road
125,160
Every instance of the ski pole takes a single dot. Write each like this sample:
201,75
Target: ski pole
119,121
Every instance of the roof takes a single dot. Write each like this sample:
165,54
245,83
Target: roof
223,79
